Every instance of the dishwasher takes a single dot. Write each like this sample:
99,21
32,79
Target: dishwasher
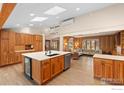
67,61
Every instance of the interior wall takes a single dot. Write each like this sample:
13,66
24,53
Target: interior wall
106,43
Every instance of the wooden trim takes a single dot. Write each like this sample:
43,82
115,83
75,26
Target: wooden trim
6,10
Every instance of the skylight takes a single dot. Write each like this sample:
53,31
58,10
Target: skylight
55,10
39,19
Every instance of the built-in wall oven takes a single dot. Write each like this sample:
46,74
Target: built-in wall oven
28,67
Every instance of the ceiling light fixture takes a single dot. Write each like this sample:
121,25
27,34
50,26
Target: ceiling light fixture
77,9
30,24
39,19
55,10
57,17
17,24
32,14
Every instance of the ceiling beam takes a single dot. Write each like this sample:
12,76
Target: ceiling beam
5,12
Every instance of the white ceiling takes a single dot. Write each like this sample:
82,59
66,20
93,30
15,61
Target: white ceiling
20,17
97,34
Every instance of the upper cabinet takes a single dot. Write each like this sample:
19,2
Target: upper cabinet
4,35
24,39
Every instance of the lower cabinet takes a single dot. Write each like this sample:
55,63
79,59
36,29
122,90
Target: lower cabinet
54,66
111,71
118,72
57,65
47,69
97,68
18,57
107,70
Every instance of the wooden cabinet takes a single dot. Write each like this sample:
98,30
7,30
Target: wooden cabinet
38,43
54,66
97,68
46,68
18,39
4,52
36,71
11,47
107,67
18,57
109,70
61,63
103,69
4,35
11,41
57,65
118,77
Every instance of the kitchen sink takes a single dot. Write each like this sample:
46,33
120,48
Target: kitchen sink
52,54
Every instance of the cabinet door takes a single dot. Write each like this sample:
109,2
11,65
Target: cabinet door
46,68
18,39
108,70
4,34
118,77
11,54
4,52
97,68
54,66
36,71
61,63
18,57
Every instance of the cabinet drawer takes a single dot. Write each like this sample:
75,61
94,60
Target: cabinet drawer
107,61
46,62
97,59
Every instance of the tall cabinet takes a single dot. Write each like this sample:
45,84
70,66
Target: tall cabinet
7,48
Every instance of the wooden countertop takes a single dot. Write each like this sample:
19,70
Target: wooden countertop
112,57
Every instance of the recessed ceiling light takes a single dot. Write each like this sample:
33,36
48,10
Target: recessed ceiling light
32,14
30,24
17,24
77,9
55,10
0,6
39,19
57,17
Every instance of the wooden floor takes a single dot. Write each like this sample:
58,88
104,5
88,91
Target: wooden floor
80,73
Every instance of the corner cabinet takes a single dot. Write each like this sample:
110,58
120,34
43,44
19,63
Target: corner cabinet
108,70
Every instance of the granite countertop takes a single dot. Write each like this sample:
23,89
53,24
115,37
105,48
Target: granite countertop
112,57
41,55
30,50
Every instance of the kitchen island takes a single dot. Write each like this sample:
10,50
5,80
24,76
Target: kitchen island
44,66
109,68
